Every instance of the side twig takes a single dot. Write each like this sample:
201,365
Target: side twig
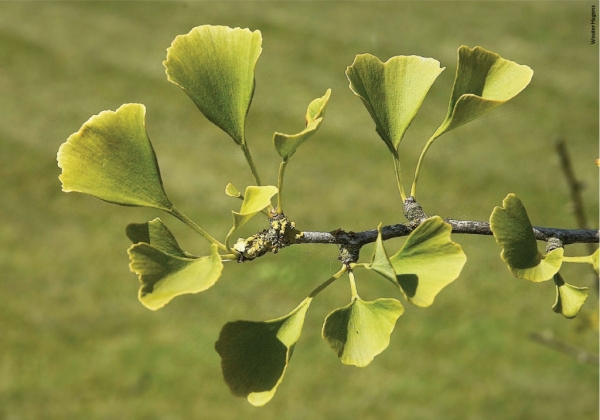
581,355
575,188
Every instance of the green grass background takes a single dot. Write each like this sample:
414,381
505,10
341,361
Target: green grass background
76,344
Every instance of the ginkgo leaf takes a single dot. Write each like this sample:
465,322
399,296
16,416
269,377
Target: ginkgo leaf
255,355
286,144
484,80
215,66
156,234
111,158
361,330
428,261
164,275
255,200
569,298
392,91
380,262
231,191
513,232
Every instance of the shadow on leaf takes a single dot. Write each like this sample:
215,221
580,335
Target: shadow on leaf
409,283
252,357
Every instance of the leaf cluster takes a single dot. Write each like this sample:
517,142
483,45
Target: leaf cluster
111,158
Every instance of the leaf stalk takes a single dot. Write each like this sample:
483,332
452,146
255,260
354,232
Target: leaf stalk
179,215
413,189
327,282
282,167
398,171
352,284
250,161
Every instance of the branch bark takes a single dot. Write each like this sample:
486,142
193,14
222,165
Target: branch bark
414,213
283,233
468,227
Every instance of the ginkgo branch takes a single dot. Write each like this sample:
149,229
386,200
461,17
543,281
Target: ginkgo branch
469,227
351,242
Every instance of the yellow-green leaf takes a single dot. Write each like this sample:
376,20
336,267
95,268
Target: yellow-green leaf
165,276
255,355
156,234
569,298
392,91
361,330
255,200
231,191
513,232
380,262
111,158
428,261
286,144
484,80
215,66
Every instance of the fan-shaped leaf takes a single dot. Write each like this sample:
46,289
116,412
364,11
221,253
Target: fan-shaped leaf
255,200
392,91
164,275
484,80
158,235
215,66
231,191
380,262
513,232
360,331
428,261
286,144
569,298
255,355
111,158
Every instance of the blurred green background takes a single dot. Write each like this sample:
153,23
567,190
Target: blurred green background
76,344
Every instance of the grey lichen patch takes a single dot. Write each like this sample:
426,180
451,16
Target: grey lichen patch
413,211
282,233
553,243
